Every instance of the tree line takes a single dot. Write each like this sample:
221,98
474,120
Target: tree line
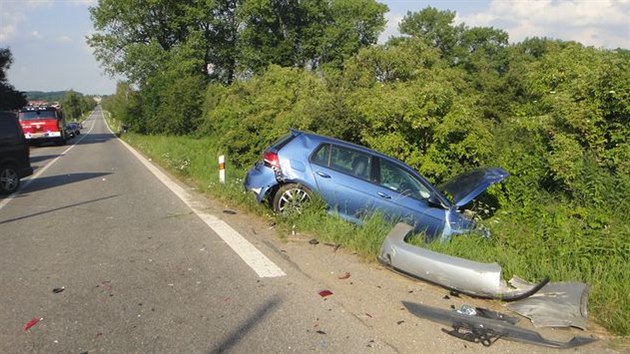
442,97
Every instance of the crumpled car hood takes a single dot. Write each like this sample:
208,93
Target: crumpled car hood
466,186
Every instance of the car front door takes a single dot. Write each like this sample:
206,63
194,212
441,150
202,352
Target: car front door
404,197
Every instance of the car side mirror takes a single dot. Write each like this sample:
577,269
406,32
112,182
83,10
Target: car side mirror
434,202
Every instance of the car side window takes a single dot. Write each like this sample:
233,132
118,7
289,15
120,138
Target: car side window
322,155
397,179
5,129
345,160
8,127
351,162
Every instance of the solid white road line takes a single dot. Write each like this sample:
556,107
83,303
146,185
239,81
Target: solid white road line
255,259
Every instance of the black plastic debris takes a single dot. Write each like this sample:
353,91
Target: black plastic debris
313,241
229,211
487,330
58,290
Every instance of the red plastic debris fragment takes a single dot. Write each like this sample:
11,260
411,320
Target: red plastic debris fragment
32,323
346,275
325,293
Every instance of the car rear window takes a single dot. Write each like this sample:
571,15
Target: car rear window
280,143
34,115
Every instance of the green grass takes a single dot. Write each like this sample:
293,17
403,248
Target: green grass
549,240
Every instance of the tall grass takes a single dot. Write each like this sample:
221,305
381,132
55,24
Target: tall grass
543,241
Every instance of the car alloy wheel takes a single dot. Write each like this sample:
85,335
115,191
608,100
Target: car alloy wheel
291,198
9,180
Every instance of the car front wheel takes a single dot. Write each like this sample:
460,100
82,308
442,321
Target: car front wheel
291,198
9,180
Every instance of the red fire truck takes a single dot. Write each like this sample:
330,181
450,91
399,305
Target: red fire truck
43,124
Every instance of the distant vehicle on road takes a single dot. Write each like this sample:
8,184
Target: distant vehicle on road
14,153
43,124
355,180
73,129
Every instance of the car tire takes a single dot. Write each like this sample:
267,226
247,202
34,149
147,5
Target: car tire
9,179
290,198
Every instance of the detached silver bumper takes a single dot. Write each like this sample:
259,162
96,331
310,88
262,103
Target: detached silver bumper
463,275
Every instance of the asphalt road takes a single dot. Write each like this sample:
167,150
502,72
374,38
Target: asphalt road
110,259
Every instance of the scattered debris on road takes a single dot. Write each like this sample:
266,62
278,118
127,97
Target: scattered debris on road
32,323
58,290
343,276
562,304
313,241
325,293
486,331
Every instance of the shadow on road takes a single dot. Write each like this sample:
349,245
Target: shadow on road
35,159
42,183
96,138
240,332
56,209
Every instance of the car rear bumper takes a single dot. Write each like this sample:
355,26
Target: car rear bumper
38,136
260,180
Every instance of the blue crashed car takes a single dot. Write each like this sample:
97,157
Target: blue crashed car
354,180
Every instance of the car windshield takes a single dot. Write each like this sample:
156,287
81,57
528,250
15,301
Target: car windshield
34,115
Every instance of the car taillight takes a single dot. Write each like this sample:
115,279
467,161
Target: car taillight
271,159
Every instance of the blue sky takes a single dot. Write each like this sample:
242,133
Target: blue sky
47,37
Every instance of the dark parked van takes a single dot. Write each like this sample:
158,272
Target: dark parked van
15,160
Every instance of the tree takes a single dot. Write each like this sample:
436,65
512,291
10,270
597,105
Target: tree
435,27
10,99
307,34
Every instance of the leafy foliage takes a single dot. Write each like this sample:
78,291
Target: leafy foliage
9,98
75,105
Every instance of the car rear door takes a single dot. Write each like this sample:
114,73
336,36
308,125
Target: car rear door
343,177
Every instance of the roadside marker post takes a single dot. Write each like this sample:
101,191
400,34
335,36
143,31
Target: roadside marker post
222,169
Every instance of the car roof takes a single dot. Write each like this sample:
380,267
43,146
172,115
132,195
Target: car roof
322,138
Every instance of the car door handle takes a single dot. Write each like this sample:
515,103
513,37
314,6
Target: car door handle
383,195
322,174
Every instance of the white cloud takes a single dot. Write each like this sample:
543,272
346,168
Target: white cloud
83,2
600,23
35,4
391,28
9,21
36,35
64,39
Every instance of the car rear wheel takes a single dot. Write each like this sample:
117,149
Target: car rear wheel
9,180
291,198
